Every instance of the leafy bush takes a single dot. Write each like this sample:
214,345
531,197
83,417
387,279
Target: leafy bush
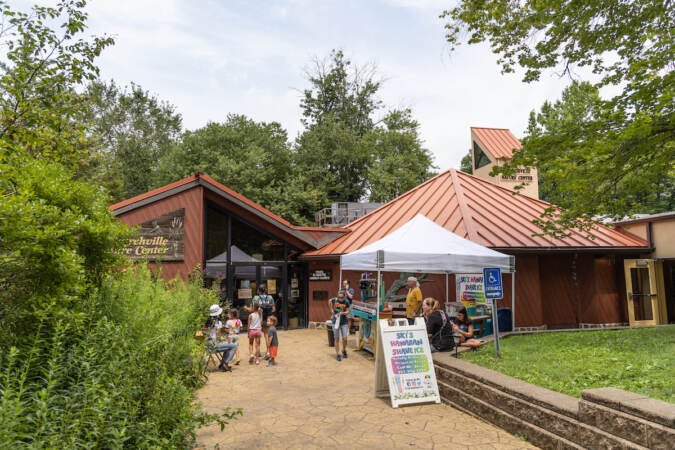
123,377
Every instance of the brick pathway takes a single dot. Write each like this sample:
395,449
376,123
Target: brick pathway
309,400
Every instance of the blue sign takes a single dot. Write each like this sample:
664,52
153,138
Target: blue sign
492,282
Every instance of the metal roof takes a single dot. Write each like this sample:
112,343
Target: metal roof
477,210
498,142
313,236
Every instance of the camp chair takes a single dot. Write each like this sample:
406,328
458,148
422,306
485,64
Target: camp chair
208,356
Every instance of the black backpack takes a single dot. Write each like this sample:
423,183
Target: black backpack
443,339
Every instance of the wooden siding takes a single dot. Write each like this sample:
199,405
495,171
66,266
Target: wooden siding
528,309
191,200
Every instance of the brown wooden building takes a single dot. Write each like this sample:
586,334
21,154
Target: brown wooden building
559,282
199,223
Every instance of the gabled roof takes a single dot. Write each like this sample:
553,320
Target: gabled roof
477,210
498,142
313,236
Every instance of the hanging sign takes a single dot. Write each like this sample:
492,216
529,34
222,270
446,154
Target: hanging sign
404,369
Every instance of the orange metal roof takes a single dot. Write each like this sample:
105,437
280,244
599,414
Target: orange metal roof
313,235
498,142
477,210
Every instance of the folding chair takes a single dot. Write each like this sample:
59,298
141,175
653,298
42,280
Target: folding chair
208,356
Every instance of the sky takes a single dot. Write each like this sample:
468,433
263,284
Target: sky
211,58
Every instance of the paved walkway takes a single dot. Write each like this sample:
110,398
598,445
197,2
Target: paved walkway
309,400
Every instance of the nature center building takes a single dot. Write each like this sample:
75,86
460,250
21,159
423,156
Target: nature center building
201,224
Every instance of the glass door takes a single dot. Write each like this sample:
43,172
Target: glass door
641,292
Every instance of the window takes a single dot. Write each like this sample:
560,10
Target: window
480,159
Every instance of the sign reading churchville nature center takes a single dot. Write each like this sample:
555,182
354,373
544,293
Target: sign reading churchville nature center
159,239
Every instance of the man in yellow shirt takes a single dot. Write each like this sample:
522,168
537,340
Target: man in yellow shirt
413,300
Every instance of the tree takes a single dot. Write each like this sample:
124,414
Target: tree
580,104
40,74
58,238
253,158
131,130
400,162
628,141
345,150
466,165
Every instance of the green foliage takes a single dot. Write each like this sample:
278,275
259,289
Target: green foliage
344,152
565,123
466,165
39,74
400,162
124,377
57,240
131,130
622,147
639,360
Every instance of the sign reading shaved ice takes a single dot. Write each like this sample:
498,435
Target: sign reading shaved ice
404,350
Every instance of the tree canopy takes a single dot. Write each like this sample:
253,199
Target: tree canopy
345,149
627,143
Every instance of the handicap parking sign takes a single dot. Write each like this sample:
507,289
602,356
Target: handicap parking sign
492,282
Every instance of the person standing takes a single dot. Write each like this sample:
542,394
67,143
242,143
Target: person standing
349,296
340,307
413,301
268,307
272,340
254,333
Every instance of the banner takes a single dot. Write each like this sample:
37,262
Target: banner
470,288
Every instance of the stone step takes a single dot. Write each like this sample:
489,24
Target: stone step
534,410
639,419
502,419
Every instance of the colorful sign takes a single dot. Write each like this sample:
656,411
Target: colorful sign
159,239
404,351
470,288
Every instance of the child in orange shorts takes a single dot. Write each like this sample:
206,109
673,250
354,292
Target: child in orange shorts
272,340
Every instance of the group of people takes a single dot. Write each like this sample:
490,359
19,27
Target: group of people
224,337
440,328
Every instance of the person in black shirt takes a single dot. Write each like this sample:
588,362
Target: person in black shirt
439,328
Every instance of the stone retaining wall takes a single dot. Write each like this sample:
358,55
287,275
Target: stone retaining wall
604,418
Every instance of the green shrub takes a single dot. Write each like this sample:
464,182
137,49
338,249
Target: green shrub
123,377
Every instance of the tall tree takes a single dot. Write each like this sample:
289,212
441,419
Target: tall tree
131,130
58,238
39,77
345,150
628,142
400,162
253,158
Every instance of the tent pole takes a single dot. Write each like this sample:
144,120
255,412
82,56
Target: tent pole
513,301
446,287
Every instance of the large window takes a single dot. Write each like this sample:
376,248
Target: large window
480,159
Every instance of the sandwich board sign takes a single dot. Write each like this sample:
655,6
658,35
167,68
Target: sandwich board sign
404,369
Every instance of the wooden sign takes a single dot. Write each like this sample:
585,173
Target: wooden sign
159,239
404,369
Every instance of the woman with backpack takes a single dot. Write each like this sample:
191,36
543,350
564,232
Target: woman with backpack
439,327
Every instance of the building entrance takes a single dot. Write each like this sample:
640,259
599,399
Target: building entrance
645,292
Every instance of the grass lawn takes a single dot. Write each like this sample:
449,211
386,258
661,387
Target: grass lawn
640,360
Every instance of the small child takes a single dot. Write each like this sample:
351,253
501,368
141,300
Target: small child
254,333
233,326
272,340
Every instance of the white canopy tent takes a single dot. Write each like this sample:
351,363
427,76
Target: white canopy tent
423,246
